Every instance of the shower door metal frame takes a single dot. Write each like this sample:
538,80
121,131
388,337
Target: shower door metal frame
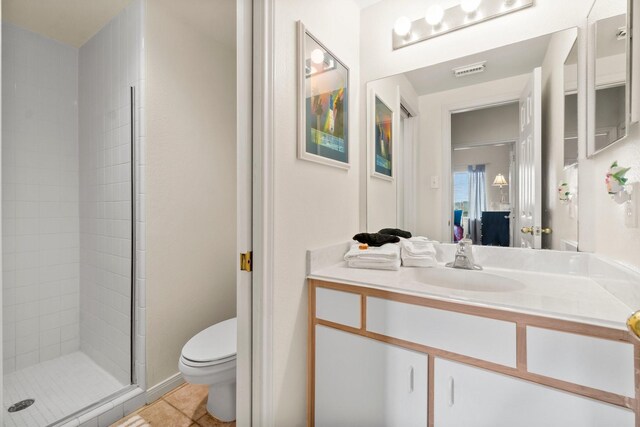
134,219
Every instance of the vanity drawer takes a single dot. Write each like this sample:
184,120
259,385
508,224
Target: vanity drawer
338,307
593,362
479,337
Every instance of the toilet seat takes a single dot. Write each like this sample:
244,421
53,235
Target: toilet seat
196,364
215,345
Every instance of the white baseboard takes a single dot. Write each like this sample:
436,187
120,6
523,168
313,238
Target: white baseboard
159,390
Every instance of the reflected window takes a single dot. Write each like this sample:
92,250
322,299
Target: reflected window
461,192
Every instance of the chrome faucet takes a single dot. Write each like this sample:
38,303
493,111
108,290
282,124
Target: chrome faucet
464,256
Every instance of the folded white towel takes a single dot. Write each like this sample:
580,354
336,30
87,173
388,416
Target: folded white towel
375,265
390,251
419,262
418,252
418,246
385,257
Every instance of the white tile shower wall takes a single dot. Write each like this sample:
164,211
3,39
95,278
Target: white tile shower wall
40,198
109,65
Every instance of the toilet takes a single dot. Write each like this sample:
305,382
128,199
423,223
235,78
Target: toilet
210,358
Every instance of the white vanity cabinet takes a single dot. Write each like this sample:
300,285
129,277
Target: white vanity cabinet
468,396
385,358
363,382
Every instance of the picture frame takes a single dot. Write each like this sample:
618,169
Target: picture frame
382,142
323,103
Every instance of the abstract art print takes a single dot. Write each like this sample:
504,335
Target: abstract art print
383,134
323,104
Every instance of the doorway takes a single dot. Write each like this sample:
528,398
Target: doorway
483,165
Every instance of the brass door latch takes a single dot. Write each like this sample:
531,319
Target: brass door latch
535,231
246,261
633,324
527,230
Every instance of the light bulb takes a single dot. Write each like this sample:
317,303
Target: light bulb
434,15
470,6
317,56
402,26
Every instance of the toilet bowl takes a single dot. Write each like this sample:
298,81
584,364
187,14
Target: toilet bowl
209,358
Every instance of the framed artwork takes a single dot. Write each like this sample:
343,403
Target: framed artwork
323,103
382,139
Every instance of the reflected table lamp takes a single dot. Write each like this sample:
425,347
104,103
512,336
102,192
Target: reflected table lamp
500,181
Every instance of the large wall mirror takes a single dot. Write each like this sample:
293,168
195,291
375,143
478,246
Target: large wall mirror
609,83
566,200
571,148
481,146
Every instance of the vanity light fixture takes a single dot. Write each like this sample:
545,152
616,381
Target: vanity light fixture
470,6
402,26
317,56
318,62
434,15
439,21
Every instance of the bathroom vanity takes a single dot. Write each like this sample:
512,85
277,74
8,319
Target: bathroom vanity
536,339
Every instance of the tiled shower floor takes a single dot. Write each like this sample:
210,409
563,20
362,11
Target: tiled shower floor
60,387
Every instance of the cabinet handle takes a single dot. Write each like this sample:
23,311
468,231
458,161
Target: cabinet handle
411,380
451,392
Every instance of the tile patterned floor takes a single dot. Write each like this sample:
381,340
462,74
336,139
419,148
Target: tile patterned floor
186,406
59,386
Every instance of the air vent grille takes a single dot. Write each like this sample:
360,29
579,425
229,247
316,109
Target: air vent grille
470,69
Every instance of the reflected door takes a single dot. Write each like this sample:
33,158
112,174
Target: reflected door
529,209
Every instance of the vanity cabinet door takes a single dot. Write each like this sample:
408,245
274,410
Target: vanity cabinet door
467,396
360,382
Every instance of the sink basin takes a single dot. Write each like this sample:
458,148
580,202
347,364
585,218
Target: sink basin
464,280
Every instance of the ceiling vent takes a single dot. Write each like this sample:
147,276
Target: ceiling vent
467,70
621,33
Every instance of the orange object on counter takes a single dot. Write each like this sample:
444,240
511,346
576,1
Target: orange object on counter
363,246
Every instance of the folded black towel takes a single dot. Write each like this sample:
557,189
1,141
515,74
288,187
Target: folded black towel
376,239
395,232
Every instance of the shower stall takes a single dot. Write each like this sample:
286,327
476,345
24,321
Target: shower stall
70,141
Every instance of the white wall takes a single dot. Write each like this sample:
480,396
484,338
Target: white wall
315,205
603,221
487,125
430,155
382,194
190,176
40,194
561,218
105,189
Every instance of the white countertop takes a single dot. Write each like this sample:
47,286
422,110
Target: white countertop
576,297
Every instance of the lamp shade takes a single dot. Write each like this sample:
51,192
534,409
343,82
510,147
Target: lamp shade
499,180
